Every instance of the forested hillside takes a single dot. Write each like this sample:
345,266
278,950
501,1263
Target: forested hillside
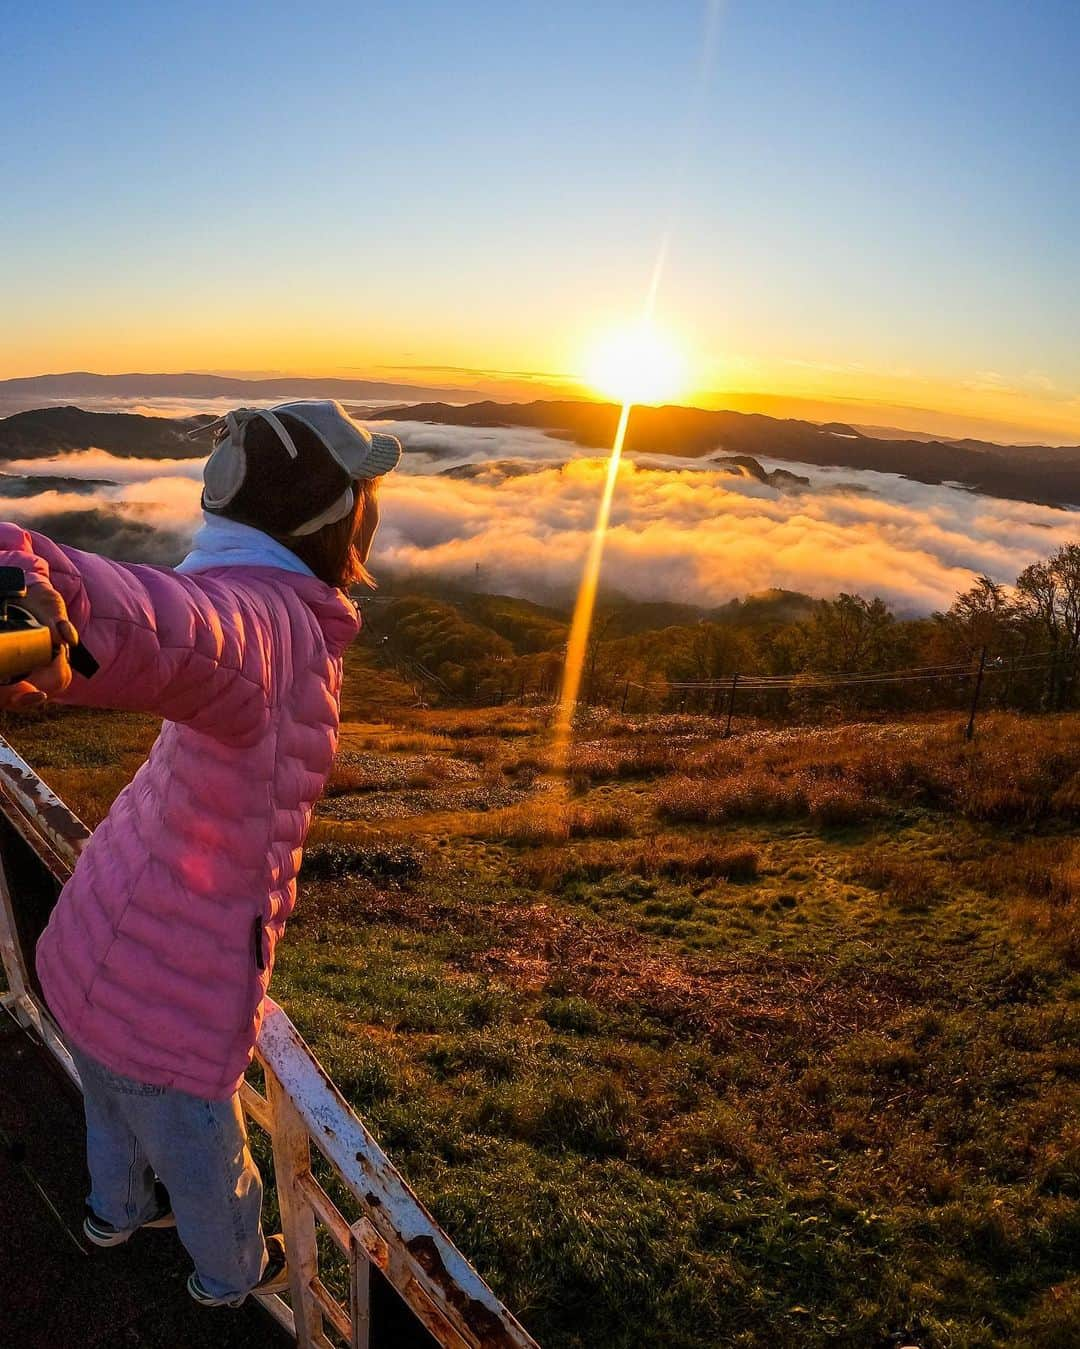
458,647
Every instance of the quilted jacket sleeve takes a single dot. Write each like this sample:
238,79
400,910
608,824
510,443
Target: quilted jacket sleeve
189,649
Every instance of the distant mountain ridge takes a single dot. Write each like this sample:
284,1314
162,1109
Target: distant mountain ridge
47,431
86,384
1044,474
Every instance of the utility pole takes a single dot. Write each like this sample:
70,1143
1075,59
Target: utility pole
970,732
731,705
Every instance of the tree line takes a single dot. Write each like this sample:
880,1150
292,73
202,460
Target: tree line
473,649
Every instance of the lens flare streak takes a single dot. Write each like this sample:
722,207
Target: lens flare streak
581,623
578,641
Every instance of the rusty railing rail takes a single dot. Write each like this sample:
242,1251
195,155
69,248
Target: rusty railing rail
40,842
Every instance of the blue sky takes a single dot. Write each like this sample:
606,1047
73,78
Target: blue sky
880,197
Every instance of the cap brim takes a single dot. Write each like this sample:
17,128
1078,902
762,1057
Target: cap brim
360,452
384,457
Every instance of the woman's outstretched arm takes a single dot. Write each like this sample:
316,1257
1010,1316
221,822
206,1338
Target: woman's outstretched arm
190,651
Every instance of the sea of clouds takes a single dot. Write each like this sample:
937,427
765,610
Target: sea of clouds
520,505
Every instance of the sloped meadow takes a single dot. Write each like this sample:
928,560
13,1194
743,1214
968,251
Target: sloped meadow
762,1041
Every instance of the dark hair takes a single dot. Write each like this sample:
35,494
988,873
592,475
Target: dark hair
331,552
269,498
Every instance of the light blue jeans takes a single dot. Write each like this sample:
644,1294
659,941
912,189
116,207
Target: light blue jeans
199,1151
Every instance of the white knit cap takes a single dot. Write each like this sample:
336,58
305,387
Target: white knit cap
353,452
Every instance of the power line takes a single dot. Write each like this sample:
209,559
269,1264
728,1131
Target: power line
806,682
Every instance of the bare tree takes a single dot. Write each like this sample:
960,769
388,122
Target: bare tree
1048,594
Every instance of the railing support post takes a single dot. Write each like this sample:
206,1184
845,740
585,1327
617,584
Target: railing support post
359,1289
731,705
292,1159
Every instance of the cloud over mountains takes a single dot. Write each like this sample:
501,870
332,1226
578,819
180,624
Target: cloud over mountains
705,536
688,530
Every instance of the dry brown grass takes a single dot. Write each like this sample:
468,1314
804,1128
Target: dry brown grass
642,756
757,796
526,765
350,777
409,742
548,822
909,882
1057,916
1025,867
468,723
551,868
369,772
1019,771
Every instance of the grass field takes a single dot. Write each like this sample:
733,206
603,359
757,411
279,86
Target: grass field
762,1042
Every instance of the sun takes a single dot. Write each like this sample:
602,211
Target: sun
636,365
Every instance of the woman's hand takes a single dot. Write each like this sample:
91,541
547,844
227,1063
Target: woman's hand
48,607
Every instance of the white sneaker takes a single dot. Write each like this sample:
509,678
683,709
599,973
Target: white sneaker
102,1233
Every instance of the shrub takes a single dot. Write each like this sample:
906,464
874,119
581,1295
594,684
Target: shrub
389,865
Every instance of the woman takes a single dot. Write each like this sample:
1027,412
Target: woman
159,951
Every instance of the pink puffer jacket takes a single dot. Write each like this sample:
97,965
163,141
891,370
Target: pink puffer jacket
160,949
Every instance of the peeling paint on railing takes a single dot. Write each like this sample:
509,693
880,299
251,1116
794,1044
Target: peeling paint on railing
42,809
418,1251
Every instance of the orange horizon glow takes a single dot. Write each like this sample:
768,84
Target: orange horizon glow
982,404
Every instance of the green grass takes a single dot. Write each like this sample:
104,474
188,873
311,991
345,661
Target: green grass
750,1071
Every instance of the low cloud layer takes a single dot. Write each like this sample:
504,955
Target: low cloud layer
704,537
681,529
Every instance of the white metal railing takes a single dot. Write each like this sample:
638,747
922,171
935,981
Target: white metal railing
388,1228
